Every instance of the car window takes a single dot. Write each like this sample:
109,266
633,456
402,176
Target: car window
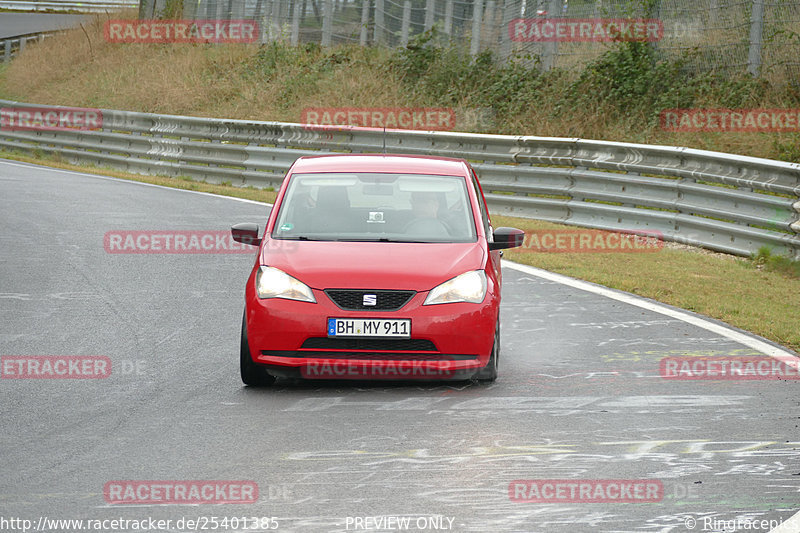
487,227
376,206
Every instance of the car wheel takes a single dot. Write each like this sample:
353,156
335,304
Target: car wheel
252,374
489,372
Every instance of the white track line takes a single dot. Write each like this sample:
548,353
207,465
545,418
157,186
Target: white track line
97,176
791,525
775,352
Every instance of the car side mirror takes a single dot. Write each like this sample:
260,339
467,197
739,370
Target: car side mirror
246,233
507,238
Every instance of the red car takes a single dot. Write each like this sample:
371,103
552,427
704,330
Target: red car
374,267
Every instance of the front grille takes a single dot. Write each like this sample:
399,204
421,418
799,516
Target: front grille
353,299
407,345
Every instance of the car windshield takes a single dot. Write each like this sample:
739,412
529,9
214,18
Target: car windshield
376,207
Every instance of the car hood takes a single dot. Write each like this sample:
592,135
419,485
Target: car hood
372,265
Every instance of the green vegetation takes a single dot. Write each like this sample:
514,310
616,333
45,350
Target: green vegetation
619,96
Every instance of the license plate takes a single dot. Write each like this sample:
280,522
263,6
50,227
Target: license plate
369,327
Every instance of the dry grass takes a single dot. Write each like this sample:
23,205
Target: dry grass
185,79
222,81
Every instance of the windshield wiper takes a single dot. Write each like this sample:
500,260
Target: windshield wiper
351,239
303,238
373,239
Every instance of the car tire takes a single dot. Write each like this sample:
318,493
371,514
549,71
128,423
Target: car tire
252,374
489,372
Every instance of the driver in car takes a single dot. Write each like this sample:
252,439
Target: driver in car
426,222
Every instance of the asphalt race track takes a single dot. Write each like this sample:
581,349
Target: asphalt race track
15,24
580,397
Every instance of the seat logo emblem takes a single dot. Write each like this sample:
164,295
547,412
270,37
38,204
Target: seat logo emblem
370,299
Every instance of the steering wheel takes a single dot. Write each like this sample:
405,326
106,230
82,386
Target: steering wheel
428,226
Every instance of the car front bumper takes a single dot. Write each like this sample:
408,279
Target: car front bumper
448,341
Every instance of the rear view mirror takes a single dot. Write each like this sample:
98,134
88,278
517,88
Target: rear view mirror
246,233
507,238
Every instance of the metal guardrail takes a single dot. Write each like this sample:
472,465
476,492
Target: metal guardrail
87,6
12,46
723,202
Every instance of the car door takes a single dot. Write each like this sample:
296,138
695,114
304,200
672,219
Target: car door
494,255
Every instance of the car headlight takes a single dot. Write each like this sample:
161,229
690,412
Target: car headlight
468,287
274,283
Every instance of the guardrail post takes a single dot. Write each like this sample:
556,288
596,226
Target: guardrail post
158,8
489,15
275,20
265,22
506,46
477,15
364,21
430,11
378,33
406,23
144,7
22,42
296,22
551,49
448,17
189,9
7,53
237,9
327,23
756,34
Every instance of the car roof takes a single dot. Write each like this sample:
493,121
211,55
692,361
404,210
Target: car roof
407,164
